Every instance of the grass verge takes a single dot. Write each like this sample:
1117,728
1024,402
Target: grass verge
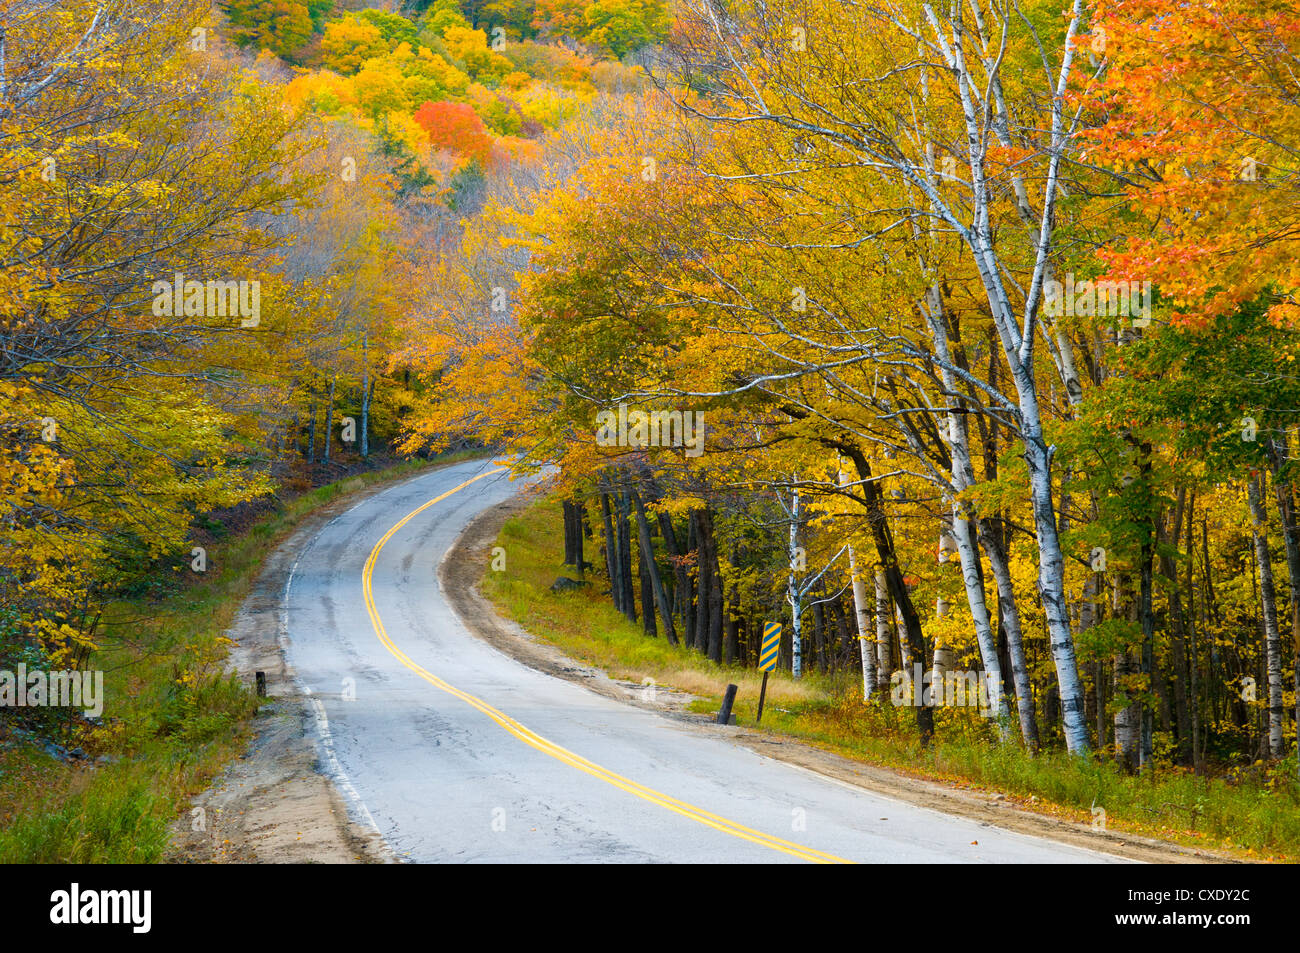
1254,813
176,716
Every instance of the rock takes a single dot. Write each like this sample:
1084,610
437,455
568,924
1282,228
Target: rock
56,751
565,583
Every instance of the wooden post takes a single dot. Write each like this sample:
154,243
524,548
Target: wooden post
729,699
762,693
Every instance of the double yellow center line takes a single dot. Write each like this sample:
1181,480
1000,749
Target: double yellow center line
535,740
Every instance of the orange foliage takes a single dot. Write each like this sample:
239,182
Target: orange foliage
1200,99
456,128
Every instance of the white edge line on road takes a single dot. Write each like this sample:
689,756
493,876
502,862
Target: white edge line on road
334,769
324,736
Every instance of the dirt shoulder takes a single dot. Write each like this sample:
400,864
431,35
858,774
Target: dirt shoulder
274,804
462,567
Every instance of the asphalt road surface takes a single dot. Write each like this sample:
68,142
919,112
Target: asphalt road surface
456,752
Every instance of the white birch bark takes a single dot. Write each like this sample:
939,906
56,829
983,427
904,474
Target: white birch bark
942,659
862,615
884,644
1268,603
1009,616
1128,720
1018,346
962,536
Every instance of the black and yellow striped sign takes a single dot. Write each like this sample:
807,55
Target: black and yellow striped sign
771,646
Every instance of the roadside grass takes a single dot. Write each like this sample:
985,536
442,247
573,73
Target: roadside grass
173,716
1253,813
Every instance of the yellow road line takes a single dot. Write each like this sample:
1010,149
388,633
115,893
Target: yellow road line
535,740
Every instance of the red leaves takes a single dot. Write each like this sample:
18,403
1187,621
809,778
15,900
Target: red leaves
456,128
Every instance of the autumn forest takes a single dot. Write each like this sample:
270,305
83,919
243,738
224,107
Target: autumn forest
960,339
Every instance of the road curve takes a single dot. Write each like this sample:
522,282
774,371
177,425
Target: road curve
458,753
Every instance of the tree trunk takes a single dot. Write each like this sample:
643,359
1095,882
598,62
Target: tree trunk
794,594
656,581
862,617
1195,661
964,524
731,627
704,575
1051,581
647,590
688,590
884,632
844,651
625,556
1038,454
365,395
1099,676
579,521
819,636
1146,617
681,591
1284,492
717,604
1178,634
796,634
567,506
1128,720
329,421
1268,603
311,443
611,552
910,630
1009,620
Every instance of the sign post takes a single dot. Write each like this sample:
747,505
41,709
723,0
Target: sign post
767,659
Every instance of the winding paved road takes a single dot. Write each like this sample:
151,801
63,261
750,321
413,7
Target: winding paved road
456,752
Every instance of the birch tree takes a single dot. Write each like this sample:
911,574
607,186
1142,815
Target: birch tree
870,120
